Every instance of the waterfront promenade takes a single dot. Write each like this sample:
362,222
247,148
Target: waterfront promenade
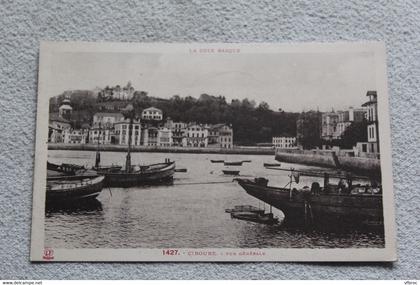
173,149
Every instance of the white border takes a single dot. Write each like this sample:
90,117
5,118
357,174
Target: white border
281,254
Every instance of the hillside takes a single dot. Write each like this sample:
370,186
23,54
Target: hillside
251,123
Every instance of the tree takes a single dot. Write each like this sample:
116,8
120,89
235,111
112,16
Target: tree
356,132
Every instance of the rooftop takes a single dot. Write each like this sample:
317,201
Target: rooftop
152,109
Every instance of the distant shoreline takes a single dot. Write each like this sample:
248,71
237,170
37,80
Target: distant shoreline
123,148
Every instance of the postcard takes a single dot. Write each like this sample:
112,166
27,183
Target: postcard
213,152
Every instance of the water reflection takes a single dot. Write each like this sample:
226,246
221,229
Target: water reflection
188,213
81,207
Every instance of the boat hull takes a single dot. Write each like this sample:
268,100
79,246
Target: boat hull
319,209
236,163
74,191
158,175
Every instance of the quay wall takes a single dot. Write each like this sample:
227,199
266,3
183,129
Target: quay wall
365,163
123,148
316,158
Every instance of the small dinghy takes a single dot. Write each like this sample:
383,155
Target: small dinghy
252,214
230,172
237,163
272,164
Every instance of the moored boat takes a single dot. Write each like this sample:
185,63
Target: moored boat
68,189
272,164
216,161
230,172
158,173
235,163
319,206
134,175
261,218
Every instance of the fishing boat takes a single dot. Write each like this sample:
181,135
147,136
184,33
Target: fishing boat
216,161
356,205
235,163
64,169
159,173
252,214
230,172
134,175
272,164
69,189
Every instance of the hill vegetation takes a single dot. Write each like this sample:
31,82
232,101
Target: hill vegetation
251,123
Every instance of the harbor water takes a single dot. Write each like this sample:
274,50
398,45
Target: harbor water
188,214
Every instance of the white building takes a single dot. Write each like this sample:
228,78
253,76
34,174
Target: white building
101,136
164,137
122,132
196,136
106,120
152,113
284,142
220,135
372,118
56,127
73,136
178,131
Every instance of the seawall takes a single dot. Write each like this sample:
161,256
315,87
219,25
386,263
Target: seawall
345,160
123,148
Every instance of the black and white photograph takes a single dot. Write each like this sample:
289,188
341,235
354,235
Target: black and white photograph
212,152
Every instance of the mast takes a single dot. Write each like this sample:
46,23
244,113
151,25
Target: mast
129,113
128,158
98,154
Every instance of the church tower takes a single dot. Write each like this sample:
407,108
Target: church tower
65,109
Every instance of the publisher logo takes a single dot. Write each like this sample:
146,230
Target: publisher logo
48,254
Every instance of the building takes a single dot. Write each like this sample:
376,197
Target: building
164,137
152,113
334,124
116,93
178,131
220,135
284,141
346,118
121,131
102,136
196,135
58,123
152,136
329,125
372,118
106,120
65,110
73,136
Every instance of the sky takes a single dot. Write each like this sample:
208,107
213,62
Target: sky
290,81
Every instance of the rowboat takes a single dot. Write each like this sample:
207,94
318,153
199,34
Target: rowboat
260,218
69,189
272,164
230,172
236,163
